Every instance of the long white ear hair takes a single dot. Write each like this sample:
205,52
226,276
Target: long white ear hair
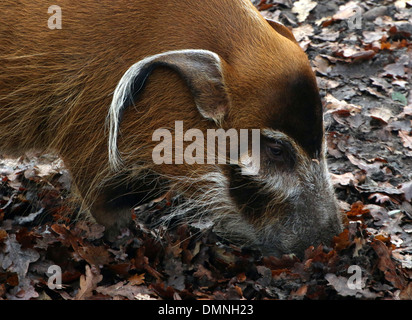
201,69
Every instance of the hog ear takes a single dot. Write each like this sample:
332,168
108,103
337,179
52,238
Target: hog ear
281,29
201,69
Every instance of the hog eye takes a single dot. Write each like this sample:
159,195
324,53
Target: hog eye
275,150
279,150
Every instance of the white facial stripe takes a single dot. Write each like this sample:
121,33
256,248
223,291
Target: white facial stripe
278,135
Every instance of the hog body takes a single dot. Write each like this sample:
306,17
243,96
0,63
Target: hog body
97,89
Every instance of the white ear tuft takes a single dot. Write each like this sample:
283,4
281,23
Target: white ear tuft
201,69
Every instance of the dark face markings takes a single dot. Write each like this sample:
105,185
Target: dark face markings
298,113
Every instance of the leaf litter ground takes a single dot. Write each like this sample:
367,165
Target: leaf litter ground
364,77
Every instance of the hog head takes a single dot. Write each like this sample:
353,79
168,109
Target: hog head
289,204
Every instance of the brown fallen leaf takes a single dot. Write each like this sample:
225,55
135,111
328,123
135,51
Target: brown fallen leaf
407,110
370,168
263,5
300,292
321,65
385,45
90,231
394,32
10,278
383,114
66,236
372,36
97,256
386,265
16,259
141,262
355,54
342,241
332,144
3,235
406,139
357,211
126,290
88,283
340,107
340,284
303,8
347,11
345,179
26,238
241,277
406,294
394,70
328,35
303,32
25,291
137,279
380,197
202,272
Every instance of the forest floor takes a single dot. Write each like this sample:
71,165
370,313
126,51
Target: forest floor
362,54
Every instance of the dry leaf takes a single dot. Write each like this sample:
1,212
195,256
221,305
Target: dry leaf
15,259
347,11
3,235
406,139
303,32
137,279
303,8
340,284
370,168
334,105
407,110
357,210
126,290
97,256
342,240
386,265
381,113
406,294
345,179
88,283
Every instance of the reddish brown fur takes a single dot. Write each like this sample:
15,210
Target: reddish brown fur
56,85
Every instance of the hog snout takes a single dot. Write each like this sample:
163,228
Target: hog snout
311,217
288,207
